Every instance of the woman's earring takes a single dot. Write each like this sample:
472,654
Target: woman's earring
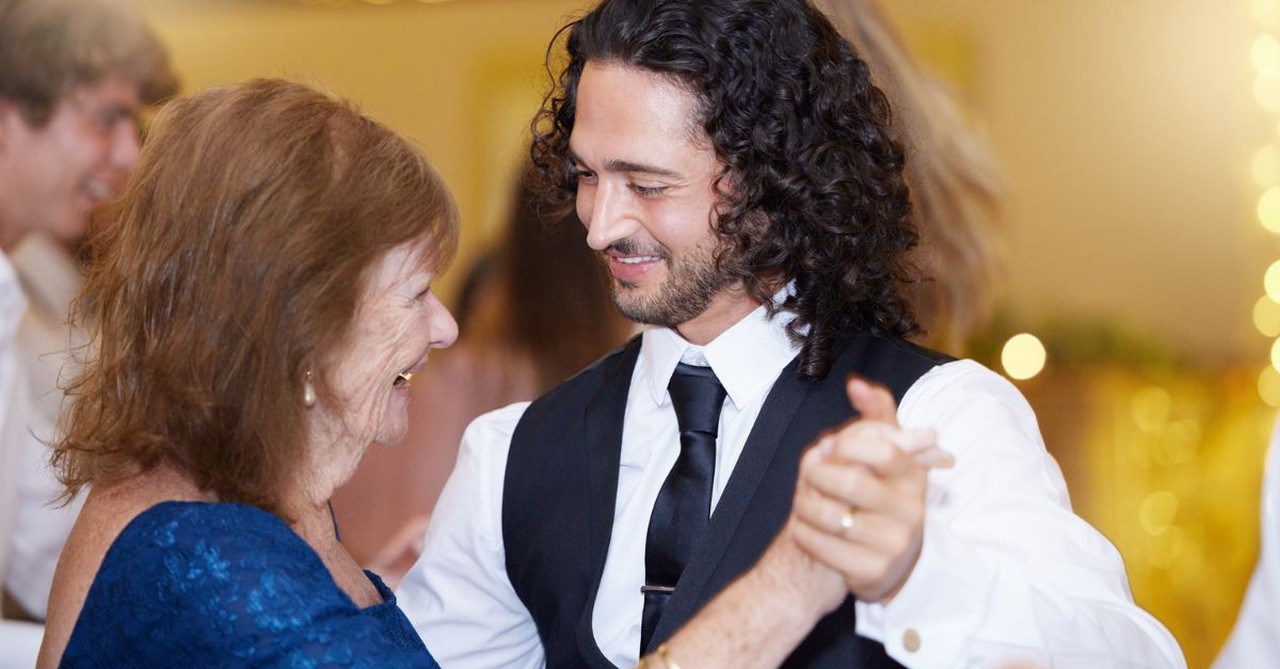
308,391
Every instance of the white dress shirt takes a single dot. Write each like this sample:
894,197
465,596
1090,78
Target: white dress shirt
49,279
19,641
13,416
1007,572
1255,640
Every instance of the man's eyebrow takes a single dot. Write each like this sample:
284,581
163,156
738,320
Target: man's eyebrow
620,165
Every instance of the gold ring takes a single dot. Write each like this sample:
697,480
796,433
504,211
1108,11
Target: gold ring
846,522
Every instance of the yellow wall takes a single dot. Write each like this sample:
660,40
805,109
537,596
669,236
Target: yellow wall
461,78
1126,131
1125,128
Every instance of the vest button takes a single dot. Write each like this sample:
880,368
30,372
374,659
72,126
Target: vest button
911,640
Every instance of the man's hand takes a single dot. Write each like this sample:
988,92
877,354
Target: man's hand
860,498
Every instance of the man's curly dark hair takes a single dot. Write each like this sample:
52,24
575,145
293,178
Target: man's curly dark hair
812,183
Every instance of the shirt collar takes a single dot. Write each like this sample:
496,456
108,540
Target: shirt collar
47,274
746,358
13,304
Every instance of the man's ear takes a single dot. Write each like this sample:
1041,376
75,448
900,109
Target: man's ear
12,122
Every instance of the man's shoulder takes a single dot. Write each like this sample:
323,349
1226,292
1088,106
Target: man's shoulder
614,367
886,359
902,350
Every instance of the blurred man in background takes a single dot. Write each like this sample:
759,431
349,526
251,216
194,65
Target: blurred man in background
74,76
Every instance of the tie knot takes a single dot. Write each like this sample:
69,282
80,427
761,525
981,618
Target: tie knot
697,396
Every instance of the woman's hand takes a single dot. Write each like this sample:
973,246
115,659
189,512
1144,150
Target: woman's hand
860,498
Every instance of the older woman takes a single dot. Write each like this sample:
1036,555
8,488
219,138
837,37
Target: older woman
259,306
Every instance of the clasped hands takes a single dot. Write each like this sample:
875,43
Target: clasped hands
857,520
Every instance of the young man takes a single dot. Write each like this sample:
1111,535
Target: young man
733,163
74,75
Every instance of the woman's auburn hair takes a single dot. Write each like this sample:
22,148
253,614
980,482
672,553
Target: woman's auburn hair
233,265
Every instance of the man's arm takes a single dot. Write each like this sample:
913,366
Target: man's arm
1004,572
762,616
458,595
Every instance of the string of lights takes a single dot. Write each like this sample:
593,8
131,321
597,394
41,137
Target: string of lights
1265,57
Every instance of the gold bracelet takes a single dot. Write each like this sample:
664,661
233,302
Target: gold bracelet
666,659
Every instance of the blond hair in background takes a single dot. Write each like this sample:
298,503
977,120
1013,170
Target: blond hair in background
955,183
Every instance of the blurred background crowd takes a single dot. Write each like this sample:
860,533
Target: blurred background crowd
1118,184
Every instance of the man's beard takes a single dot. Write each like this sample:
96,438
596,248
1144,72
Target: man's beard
693,279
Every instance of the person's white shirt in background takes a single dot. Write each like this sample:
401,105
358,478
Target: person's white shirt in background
49,279
16,638
1255,640
37,284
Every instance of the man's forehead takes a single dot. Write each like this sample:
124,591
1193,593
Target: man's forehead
629,115
114,91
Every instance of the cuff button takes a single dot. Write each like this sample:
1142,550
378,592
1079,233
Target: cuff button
911,640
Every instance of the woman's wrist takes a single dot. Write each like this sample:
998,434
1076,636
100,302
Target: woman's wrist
797,584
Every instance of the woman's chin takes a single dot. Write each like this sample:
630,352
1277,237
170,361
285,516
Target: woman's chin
392,432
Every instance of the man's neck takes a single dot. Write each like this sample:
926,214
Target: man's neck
726,309
724,312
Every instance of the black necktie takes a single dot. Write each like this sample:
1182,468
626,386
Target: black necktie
683,508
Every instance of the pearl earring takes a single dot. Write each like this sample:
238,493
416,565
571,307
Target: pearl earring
308,391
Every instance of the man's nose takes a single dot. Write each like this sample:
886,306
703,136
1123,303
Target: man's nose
609,215
125,145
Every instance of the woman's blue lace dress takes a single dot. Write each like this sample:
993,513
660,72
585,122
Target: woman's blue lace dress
190,584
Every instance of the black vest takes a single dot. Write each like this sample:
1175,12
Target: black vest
561,488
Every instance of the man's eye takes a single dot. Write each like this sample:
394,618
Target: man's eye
648,191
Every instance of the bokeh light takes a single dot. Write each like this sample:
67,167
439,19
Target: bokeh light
1269,386
1164,549
1266,92
1266,166
1266,316
1158,512
1150,408
1265,54
1271,281
1269,209
1023,356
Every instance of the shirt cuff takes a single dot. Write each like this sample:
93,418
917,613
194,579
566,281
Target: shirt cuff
940,607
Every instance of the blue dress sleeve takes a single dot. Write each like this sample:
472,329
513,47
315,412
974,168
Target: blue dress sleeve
196,584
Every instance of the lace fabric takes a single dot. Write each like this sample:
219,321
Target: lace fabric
222,584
